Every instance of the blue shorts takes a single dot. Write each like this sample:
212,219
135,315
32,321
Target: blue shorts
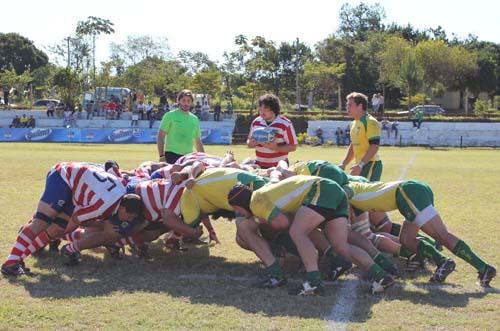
58,194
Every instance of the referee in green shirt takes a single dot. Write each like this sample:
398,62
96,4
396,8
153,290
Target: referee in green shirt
179,131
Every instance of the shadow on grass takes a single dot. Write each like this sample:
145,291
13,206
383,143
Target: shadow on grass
207,280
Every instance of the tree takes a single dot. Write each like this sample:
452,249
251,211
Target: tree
323,80
79,53
137,48
195,62
208,82
68,82
92,27
410,76
19,82
395,49
356,21
20,53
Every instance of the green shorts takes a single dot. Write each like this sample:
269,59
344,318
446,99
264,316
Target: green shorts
333,172
372,171
329,197
414,198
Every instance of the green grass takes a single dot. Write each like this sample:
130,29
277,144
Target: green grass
108,294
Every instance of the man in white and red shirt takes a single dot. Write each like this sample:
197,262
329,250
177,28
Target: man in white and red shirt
81,191
270,153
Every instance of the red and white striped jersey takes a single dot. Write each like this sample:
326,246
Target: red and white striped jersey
143,171
159,194
210,161
95,192
284,135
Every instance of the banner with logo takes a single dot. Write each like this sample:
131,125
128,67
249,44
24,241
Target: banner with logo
217,136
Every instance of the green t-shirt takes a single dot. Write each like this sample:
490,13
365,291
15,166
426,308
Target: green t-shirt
181,130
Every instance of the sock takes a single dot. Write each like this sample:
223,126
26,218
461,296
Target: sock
426,250
405,252
376,272
463,251
274,270
382,261
38,243
396,229
428,239
313,277
335,259
72,248
23,241
75,235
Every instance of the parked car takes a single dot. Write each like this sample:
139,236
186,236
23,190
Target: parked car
428,110
45,102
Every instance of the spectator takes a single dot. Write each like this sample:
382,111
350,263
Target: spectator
111,110
197,110
319,135
418,118
119,110
73,119
375,102
179,131
380,104
6,92
347,135
149,110
24,121
31,122
394,128
16,122
270,153
67,117
60,108
217,112
386,125
139,110
205,111
339,136
89,107
229,109
51,106
152,118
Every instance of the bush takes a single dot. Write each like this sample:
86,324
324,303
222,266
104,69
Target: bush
480,107
417,99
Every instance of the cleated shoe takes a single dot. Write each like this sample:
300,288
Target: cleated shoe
54,246
381,285
15,270
114,252
270,282
337,271
74,258
486,277
306,289
443,271
143,253
413,263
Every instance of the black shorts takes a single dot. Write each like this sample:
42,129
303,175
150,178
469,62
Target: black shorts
171,157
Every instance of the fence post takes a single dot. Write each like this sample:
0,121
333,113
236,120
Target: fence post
400,140
461,142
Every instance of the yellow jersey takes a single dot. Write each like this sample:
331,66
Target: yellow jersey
363,131
373,196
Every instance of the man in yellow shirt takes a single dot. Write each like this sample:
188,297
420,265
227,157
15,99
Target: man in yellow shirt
415,201
365,140
315,202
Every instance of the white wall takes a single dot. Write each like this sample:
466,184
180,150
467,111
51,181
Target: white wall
430,133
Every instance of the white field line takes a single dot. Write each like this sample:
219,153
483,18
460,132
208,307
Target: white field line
341,312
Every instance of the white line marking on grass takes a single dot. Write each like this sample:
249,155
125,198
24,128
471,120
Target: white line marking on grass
341,312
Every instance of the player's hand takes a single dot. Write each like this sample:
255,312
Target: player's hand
341,166
189,183
212,237
251,143
355,170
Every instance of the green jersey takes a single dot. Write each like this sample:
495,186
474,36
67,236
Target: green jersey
181,129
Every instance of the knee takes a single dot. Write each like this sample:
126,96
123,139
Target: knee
341,249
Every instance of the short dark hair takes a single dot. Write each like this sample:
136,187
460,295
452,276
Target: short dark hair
240,195
185,93
271,101
359,98
111,164
132,203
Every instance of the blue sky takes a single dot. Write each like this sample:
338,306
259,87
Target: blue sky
210,26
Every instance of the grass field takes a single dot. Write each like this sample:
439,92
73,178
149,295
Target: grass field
208,287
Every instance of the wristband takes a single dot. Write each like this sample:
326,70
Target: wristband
163,155
361,164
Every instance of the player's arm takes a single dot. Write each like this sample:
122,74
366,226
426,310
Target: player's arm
348,157
370,153
251,142
199,145
175,223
